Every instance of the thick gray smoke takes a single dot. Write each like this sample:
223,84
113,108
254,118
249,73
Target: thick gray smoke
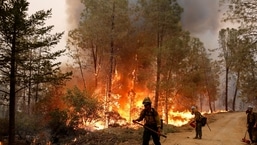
200,15
203,20
73,10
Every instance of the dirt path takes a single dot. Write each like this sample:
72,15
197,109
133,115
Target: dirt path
228,129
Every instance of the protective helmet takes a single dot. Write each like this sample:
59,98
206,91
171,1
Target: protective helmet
193,107
250,107
146,101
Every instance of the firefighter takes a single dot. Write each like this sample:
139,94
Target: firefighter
152,120
251,123
198,124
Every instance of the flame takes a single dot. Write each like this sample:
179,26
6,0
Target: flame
220,111
129,104
179,118
99,125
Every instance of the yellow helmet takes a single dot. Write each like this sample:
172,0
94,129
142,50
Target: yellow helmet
146,101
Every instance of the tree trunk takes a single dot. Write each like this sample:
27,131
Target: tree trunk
157,87
201,102
158,71
208,93
166,109
81,69
226,89
11,139
235,93
214,106
30,83
210,101
111,63
95,61
131,96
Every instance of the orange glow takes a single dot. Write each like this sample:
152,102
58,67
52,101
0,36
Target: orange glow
99,125
220,111
126,99
179,118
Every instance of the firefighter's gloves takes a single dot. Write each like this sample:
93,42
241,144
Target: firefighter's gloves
159,131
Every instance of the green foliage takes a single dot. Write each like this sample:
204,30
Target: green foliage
28,124
3,127
238,59
80,108
58,122
27,57
241,12
26,40
82,101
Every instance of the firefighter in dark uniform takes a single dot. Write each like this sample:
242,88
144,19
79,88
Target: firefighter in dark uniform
152,120
251,123
198,124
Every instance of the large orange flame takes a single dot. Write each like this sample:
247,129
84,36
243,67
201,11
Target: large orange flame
179,118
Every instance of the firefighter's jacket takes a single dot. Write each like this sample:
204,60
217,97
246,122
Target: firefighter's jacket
251,118
197,116
151,118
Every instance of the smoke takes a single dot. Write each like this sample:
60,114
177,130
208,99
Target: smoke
73,11
200,15
202,19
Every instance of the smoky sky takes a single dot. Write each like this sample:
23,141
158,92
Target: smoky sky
200,15
73,10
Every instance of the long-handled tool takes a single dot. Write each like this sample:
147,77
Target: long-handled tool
150,129
245,140
208,126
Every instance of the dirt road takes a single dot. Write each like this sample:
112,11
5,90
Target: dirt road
228,129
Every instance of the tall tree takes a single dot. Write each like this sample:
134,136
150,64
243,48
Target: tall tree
185,74
100,38
161,22
224,39
243,13
21,35
235,55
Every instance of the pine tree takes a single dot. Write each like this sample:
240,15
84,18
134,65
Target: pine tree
27,59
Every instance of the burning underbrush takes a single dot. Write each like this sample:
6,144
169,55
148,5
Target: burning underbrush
125,134
119,135
115,134
120,132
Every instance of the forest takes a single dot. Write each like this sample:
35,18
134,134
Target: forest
122,51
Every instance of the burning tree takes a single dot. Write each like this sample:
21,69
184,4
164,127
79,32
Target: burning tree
138,53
